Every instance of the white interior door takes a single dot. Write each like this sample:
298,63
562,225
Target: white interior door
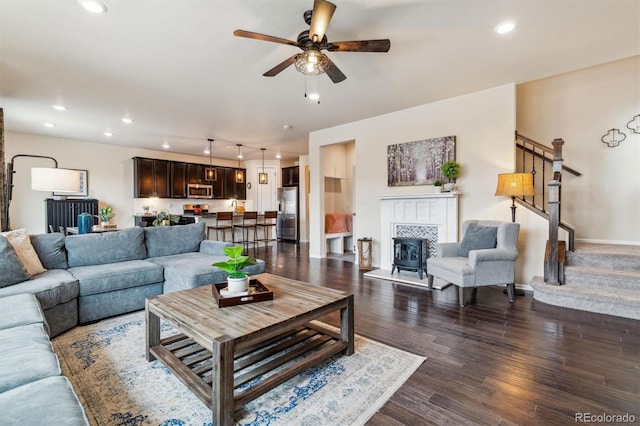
267,192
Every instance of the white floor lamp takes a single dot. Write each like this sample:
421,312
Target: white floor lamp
47,179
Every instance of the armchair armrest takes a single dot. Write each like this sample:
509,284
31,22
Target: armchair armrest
213,248
448,249
491,255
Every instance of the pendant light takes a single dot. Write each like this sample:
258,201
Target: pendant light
263,178
239,172
210,173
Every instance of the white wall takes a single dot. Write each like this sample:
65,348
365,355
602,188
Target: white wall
483,123
110,173
580,107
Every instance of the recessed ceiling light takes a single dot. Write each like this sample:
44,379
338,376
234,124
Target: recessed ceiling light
286,126
278,156
314,96
505,27
165,145
93,6
108,134
206,151
127,120
59,107
50,125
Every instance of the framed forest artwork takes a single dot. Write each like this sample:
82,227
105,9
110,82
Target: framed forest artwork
418,162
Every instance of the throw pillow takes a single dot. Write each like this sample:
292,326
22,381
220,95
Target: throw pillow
21,243
11,269
478,237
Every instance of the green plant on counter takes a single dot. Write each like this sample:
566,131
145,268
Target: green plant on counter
236,262
105,214
165,216
437,182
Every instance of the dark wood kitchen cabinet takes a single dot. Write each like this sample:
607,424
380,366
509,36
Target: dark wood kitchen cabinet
195,173
178,179
151,178
233,189
290,176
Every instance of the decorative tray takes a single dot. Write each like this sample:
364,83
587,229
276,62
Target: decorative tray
256,292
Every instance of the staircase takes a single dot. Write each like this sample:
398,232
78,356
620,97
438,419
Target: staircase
602,278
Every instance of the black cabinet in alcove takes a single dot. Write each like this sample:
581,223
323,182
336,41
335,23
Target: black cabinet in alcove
64,213
151,178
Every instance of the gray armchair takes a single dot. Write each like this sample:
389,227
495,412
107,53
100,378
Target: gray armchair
482,266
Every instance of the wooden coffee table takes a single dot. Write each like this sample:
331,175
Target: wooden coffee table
218,349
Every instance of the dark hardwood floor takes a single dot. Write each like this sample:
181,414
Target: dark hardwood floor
490,363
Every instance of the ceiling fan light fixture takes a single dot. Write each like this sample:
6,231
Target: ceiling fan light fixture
311,62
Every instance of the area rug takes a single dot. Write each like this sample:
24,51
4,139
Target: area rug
105,362
405,277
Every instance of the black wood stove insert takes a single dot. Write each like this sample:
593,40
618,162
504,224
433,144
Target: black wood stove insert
410,254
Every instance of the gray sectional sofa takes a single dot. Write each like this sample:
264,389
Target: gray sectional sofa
88,277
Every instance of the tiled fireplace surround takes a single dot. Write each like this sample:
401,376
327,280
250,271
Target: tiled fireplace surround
430,216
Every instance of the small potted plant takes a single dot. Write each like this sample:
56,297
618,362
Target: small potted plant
165,218
450,170
105,214
437,186
238,279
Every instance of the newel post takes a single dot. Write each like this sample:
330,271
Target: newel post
554,213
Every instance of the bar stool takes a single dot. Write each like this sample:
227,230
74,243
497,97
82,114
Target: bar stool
249,222
268,220
224,221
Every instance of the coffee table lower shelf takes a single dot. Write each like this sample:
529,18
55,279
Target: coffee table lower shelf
193,364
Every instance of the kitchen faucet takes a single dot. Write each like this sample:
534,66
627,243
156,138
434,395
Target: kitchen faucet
234,203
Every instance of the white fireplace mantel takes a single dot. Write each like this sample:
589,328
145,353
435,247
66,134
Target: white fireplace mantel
423,210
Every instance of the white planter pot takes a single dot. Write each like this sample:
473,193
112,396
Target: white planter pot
235,285
104,224
437,189
449,187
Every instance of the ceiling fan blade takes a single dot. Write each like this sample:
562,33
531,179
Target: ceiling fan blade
257,36
333,71
320,18
360,46
280,67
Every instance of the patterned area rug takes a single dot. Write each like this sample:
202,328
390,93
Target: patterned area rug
117,386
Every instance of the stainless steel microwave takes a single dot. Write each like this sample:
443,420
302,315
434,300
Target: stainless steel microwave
196,190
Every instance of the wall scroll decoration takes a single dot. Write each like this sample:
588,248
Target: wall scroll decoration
634,124
418,163
613,138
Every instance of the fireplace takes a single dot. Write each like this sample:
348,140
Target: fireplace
430,217
410,254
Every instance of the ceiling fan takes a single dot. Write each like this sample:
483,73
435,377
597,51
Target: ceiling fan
312,41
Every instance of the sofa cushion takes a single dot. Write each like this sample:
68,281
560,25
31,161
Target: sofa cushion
50,250
49,401
169,240
20,309
189,270
21,243
52,287
32,336
105,247
18,368
478,237
12,271
97,279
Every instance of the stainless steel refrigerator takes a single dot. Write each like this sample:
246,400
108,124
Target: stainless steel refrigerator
288,213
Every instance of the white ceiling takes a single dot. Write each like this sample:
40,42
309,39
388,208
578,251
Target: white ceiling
176,69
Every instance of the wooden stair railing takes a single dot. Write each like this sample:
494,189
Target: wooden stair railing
536,158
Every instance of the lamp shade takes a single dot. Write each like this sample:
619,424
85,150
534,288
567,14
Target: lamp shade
55,180
515,184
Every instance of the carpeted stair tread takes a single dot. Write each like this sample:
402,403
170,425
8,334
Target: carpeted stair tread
600,277
623,303
610,256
